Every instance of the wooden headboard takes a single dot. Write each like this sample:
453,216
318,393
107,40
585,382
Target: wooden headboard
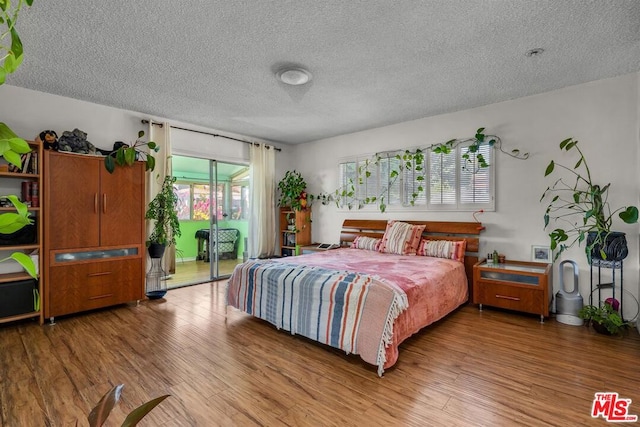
434,230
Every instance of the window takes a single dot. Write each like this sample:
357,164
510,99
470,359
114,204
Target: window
184,201
194,201
201,202
457,182
240,201
348,178
442,179
433,181
476,184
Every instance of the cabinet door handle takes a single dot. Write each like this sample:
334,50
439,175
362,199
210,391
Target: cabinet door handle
95,203
104,273
508,297
101,296
104,203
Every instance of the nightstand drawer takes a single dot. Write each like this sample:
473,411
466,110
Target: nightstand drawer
510,297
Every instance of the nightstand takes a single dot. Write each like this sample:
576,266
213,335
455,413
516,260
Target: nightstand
514,285
314,247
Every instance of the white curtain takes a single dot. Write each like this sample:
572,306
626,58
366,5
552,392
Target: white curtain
162,137
262,180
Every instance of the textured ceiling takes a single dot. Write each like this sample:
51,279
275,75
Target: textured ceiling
374,62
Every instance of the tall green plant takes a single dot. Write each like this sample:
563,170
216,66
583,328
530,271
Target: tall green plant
580,206
163,211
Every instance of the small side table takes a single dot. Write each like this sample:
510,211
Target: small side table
514,285
309,249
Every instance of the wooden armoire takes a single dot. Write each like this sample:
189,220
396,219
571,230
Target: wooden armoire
94,234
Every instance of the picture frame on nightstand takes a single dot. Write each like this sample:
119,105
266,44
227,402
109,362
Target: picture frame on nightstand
541,254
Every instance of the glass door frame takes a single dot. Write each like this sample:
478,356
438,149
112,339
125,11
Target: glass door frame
214,269
225,209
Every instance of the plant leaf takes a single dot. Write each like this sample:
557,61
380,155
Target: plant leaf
16,52
564,143
110,164
130,155
25,262
19,145
578,164
21,208
100,413
13,158
549,168
139,413
150,163
629,215
120,159
10,222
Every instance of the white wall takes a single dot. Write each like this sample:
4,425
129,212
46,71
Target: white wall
29,112
602,115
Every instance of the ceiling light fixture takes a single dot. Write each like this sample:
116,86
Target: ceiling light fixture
294,76
534,52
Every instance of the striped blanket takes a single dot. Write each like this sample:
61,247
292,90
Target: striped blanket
346,310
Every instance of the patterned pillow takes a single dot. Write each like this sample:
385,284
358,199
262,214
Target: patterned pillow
401,238
368,243
451,249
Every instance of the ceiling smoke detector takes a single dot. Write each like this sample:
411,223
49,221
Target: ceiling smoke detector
534,52
294,76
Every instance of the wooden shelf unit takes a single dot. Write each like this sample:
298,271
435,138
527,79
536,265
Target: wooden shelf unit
13,180
301,233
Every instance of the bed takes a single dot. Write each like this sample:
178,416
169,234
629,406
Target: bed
388,280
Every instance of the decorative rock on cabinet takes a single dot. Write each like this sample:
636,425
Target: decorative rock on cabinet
94,234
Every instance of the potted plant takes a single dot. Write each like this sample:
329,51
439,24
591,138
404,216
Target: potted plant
166,227
292,191
580,210
604,319
163,211
127,154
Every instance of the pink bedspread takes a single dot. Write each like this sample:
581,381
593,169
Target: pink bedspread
434,286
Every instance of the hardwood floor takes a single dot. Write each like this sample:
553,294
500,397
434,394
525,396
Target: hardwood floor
472,369
191,272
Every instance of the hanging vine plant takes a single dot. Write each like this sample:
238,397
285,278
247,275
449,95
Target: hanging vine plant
413,161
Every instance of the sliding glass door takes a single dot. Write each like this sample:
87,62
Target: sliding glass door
214,218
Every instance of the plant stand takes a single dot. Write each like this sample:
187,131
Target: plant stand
597,284
156,287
